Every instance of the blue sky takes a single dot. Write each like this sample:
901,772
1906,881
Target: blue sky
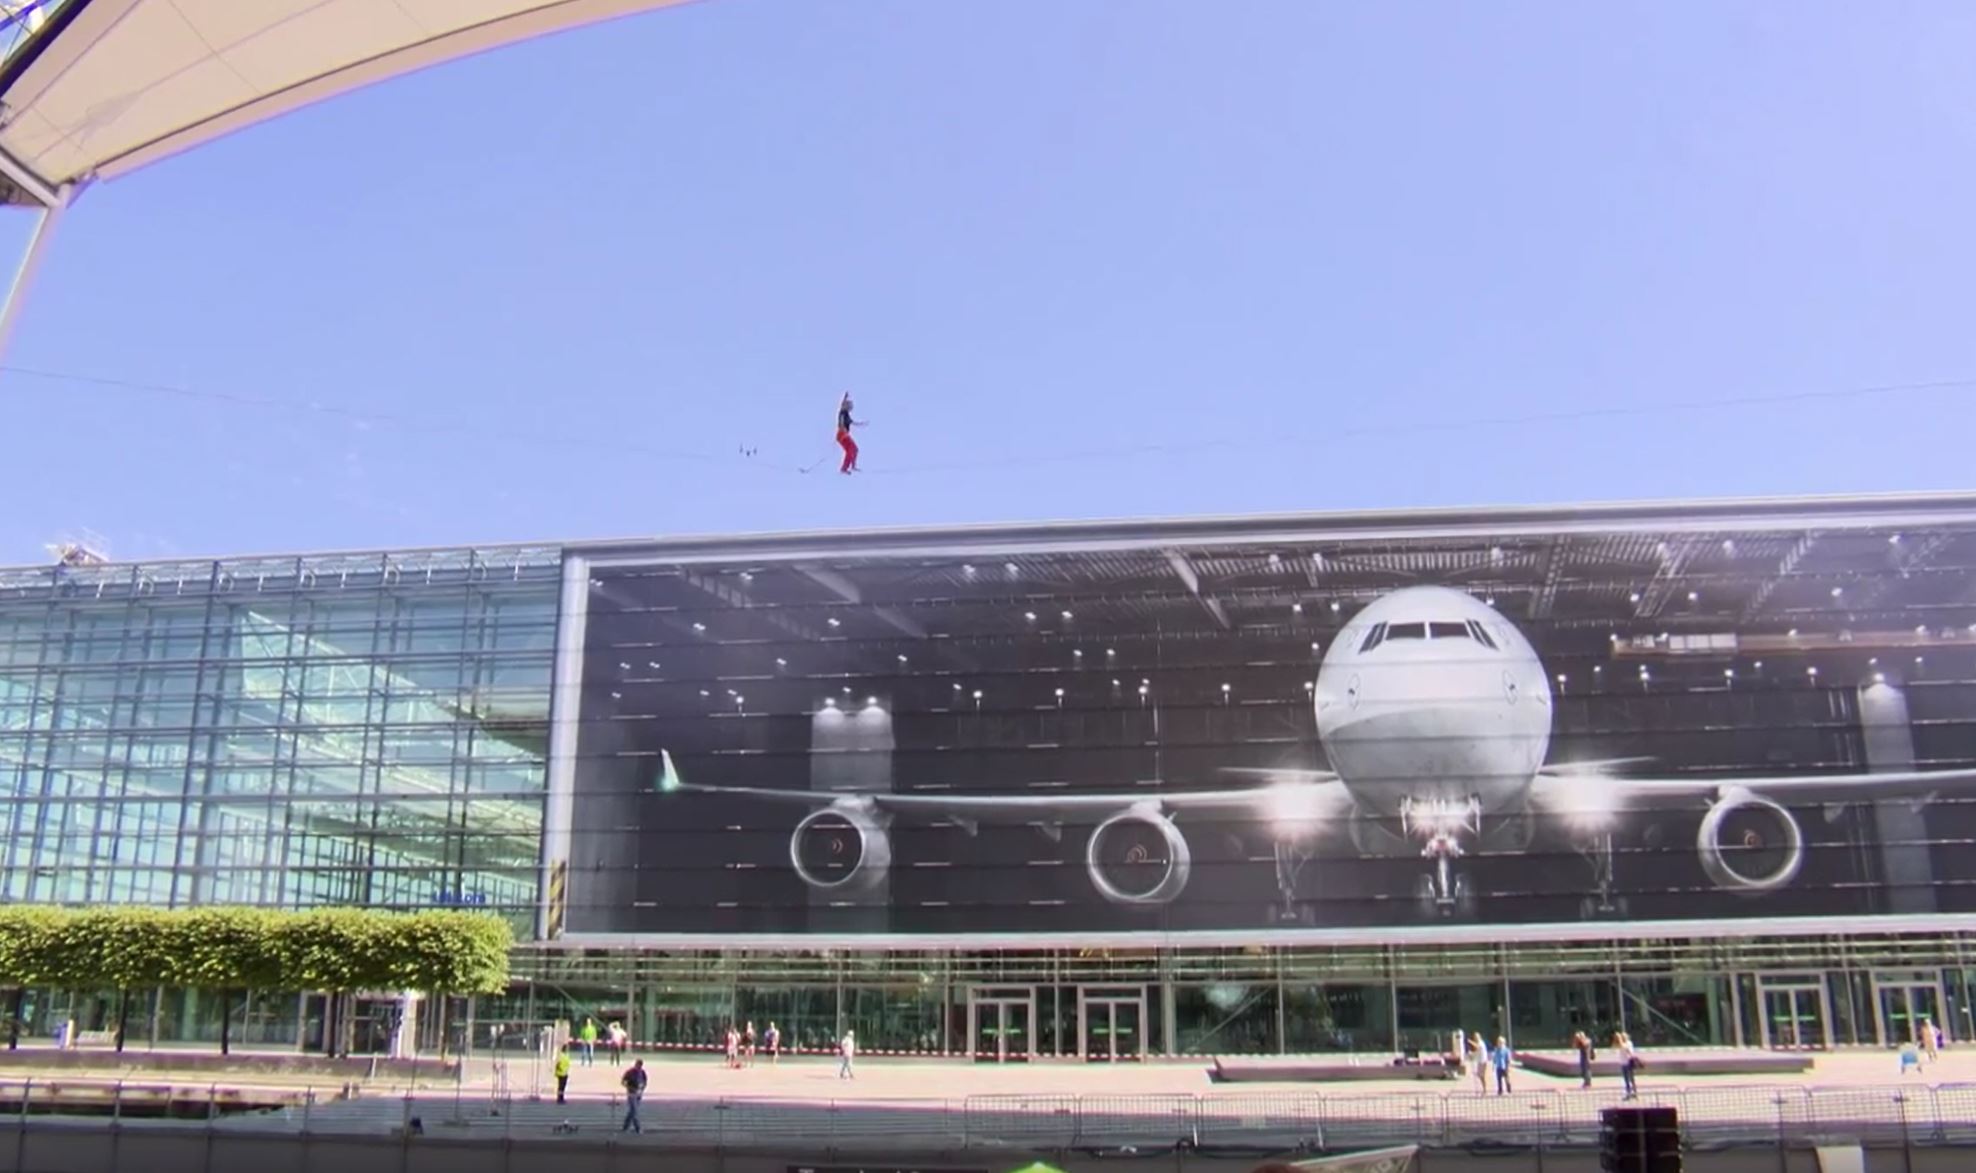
1075,258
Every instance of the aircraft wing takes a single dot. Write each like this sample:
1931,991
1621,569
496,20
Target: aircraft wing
1281,774
1559,788
1598,766
1307,798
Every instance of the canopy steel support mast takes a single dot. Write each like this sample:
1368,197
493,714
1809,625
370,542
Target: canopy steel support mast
46,219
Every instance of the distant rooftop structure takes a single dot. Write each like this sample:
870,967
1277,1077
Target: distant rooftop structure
88,549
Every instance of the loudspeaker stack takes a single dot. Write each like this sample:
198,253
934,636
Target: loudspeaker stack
1639,1140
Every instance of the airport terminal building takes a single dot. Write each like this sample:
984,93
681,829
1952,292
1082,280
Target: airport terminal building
1281,784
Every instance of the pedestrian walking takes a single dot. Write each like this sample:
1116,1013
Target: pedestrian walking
1582,1043
562,1072
634,1091
847,1050
1500,1058
588,1037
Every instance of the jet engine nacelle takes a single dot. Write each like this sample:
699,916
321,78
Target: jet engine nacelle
843,848
1749,844
1138,857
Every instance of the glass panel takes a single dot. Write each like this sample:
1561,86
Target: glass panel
987,1041
1548,1014
1685,1011
1849,1028
898,1019
1338,1018
1226,1019
1956,1021
1017,1031
1429,1016
1098,1031
1056,1020
805,1017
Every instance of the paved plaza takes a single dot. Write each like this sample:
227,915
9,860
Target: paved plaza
940,1105
703,1076
891,1079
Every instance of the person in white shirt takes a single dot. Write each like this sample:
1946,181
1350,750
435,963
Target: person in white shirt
1629,1063
847,1050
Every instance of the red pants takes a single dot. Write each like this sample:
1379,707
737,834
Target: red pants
850,448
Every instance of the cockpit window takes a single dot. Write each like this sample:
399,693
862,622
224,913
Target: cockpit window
1379,633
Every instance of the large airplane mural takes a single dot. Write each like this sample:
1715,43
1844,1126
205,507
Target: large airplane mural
1435,716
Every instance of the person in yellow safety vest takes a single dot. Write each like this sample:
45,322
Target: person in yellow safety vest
562,1072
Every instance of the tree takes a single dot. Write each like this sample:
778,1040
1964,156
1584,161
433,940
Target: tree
29,939
445,953
339,951
129,947
336,950
227,950
68,958
451,952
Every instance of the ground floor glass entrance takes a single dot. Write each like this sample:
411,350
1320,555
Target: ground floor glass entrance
1001,1023
1796,1013
1907,1002
1111,1022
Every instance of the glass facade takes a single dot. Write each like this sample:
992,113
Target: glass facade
288,732
376,730
1369,1000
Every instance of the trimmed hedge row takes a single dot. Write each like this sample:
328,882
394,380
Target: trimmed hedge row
227,950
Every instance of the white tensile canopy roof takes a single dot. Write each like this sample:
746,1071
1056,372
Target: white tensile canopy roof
92,89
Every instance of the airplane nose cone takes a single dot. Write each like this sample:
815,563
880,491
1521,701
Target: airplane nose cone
1426,728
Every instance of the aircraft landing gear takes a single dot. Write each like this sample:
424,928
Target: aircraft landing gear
1458,903
1290,861
1443,891
1602,902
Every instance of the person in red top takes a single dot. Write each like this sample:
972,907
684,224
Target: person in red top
844,425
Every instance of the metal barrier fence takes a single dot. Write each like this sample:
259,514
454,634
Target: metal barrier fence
1914,1114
